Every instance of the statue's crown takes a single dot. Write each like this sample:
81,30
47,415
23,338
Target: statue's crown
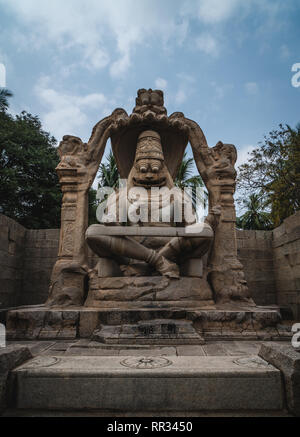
150,97
150,100
149,146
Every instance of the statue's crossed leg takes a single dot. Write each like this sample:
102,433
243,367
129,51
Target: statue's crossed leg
123,249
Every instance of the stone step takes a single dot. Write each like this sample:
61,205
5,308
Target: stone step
243,322
135,383
158,331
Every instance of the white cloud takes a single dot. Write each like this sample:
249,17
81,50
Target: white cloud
106,32
284,52
243,154
185,88
207,44
214,11
251,88
161,83
180,97
186,78
68,114
221,89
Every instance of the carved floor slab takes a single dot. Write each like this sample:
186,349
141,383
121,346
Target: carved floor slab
148,383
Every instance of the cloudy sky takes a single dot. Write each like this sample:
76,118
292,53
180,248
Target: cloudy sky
224,63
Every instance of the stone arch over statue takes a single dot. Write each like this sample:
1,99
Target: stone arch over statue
78,168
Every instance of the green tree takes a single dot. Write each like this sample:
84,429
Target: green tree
93,204
108,176
186,179
108,172
255,217
29,188
273,173
4,95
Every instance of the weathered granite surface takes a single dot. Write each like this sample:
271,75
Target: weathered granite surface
286,359
148,134
232,323
26,262
152,291
113,383
286,255
255,252
10,357
12,242
157,331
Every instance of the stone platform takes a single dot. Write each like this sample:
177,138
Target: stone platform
79,377
145,383
228,322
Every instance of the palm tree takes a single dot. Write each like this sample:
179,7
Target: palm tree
186,179
4,95
255,217
108,172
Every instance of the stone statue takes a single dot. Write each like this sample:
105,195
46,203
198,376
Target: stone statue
147,262
149,170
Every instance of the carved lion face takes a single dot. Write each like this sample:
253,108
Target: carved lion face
69,145
148,173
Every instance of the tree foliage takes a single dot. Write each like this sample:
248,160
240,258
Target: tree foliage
108,172
187,179
29,188
255,217
4,95
272,174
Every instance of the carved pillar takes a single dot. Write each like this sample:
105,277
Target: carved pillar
216,166
67,281
226,271
76,171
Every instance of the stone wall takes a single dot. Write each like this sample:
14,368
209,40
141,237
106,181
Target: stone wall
26,261
271,262
40,253
286,253
255,251
12,240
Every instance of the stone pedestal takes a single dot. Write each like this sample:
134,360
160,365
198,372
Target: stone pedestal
158,331
240,322
148,292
